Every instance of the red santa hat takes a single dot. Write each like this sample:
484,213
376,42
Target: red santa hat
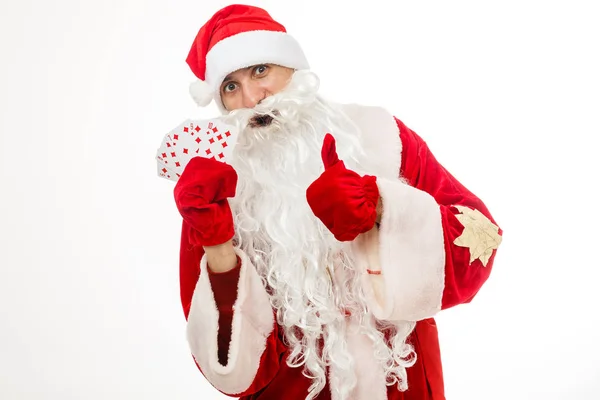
238,36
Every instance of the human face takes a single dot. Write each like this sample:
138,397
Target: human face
246,87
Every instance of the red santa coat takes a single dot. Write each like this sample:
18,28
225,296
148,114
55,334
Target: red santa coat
435,248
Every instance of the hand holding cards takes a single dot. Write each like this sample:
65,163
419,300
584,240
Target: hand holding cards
201,196
210,138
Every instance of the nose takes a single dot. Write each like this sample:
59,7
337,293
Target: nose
253,93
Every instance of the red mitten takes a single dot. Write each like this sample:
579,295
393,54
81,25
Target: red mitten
201,197
343,200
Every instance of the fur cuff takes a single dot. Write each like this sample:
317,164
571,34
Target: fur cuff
409,251
252,324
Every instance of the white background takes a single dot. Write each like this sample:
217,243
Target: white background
506,94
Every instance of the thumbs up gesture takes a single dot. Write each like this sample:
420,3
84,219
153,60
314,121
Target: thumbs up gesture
343,200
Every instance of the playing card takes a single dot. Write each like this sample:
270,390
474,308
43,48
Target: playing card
166,173
217,140
210,138
168,156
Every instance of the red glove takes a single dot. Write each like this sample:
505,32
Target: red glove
201,197
343,200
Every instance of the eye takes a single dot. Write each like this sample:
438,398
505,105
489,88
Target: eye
229,87
260,69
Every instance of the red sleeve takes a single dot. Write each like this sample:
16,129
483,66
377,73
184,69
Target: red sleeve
224,286
463,276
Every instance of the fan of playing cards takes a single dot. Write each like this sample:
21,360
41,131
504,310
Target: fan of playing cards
210,138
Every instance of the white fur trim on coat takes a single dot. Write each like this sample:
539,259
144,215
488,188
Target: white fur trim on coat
409,251
370,384
380,141
253,322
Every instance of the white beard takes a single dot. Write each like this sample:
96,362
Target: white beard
292,250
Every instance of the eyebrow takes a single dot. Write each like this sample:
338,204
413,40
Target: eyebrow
230,78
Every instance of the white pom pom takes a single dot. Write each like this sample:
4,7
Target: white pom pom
201,93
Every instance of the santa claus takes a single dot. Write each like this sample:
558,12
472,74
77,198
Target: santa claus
313,262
